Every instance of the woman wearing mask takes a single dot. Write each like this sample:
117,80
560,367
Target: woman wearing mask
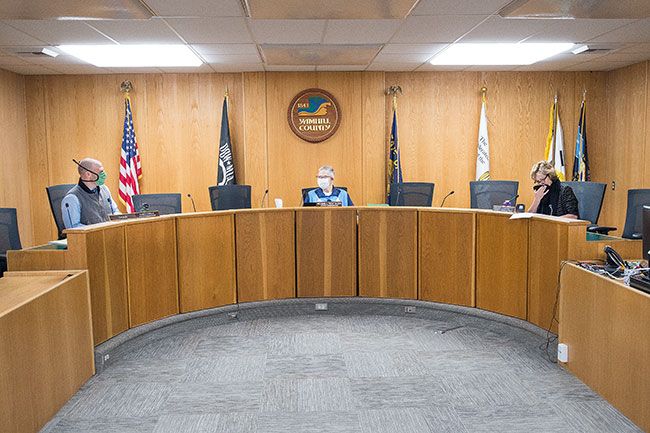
326,190
551,197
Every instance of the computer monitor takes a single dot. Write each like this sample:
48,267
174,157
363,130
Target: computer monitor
646,233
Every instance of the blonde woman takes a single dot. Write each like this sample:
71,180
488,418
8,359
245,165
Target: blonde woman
551,197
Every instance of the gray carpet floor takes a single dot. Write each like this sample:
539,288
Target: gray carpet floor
338,374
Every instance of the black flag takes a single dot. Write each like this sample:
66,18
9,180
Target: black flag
226,170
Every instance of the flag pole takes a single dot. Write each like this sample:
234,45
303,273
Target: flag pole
483,94
126,87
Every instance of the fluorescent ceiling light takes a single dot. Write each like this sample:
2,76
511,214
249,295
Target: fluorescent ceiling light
498,54
49,52
126,56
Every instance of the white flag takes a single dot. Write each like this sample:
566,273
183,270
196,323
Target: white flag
559,151
483,155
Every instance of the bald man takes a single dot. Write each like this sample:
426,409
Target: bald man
90,201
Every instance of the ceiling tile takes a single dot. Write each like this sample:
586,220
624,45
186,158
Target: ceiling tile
294,68
435,29
11,36
597,65
78,69
638,31
152,31
196,8
456,7
412,48
232,58
319,54
626,57
204,68
392,66
133,70
29,69
225,48
360,31
287,31
211,30
635,48
429,67
578,30
12,60
491,68
401,58
247,67
62,59
497,29
60,32
340,67
330,9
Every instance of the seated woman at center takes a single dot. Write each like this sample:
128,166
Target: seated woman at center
326,190
551,197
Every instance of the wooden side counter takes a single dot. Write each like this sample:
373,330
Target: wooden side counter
206,260
266,259
326,252
605,325
46,345
388,252
447,256
501,263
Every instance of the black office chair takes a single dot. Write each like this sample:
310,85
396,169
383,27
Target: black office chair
411,194
166,204
590,197
224,197
55,194
484,194
306,190
636,199
9,236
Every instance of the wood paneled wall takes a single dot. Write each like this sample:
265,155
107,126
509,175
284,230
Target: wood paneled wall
14,157
177,120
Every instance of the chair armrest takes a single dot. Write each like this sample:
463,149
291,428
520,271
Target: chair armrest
603,230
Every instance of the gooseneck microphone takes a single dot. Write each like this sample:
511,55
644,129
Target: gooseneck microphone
264,196
443,200
192,199
67,209
510,200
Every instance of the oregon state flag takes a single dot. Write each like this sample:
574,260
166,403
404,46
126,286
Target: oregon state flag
394,162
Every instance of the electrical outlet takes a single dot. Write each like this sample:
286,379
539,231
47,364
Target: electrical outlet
562,352
232,315
321,306
613,185
410,309
106,357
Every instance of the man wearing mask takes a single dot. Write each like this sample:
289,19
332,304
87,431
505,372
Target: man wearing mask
89,202
326,190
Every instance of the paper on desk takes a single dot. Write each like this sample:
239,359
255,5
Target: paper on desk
523,215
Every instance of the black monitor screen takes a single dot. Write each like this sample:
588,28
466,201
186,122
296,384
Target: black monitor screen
646,233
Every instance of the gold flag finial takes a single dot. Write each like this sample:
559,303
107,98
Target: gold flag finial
483,93
394,91
126,87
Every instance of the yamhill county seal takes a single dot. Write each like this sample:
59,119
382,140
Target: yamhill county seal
314,115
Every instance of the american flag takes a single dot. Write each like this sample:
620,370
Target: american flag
130,167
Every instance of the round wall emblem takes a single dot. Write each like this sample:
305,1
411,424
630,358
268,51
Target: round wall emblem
314,115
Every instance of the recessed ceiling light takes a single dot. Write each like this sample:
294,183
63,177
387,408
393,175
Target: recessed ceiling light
498,54
126,56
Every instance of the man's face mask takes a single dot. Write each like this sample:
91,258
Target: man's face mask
101,178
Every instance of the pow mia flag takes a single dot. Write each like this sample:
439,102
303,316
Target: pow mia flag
226,169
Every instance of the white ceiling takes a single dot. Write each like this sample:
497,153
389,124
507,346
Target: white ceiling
228,41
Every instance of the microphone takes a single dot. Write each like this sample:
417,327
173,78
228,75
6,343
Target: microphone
67,209
264,196
509,201
192,198
443,200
